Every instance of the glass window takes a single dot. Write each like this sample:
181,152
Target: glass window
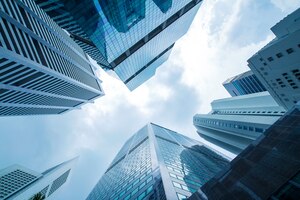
181,196
172,175
149,179
142,185
134,191
176,184
149,189
185,187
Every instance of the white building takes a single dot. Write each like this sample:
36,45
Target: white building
42,70
235,122
277,65
20,183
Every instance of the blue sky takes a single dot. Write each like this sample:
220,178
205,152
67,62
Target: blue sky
224,34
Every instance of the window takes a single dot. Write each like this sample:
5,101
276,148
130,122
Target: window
176,184
270,59
150,189
142,196
172,175
181,197
279,55
259,130
134,191
185,187
290,50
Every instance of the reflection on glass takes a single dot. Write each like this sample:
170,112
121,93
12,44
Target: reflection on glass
200,164
123,14
164,5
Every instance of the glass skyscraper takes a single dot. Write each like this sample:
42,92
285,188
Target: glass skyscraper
157,163
20,183
134,36
244,83
42,70
59,12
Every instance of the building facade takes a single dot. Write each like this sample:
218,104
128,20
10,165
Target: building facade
235,122
245,83
135,37
157,163
59,11
277,64
42,70
19,183
269,168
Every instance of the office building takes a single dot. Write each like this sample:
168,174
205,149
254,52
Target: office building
135,37
157,163
269,168
19,183
59,12
277,65
42,70
245,83
235,122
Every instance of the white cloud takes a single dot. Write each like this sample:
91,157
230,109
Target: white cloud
286,5
225,33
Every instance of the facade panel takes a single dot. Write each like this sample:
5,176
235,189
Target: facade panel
19,183
128,34
266,169
277,64
245,83
235,122
42,70
157,163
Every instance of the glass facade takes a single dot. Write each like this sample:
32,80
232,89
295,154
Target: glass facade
157,163
245,83
134,37
133,33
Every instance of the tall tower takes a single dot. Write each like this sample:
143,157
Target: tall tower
157,163
244,83
266,169
235,122
134,36
277,65
42,70
19,183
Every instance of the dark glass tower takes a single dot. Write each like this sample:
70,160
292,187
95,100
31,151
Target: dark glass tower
157,163
42,70
134,36
269,168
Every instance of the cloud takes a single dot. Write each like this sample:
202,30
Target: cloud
286,5
224,34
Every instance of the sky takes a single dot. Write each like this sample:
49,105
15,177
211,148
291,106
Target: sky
224,34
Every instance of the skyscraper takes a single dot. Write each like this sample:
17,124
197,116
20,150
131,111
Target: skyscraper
277,64
42,70
157,163
245,83
235,122
59,12
19,183
269,168
134,36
